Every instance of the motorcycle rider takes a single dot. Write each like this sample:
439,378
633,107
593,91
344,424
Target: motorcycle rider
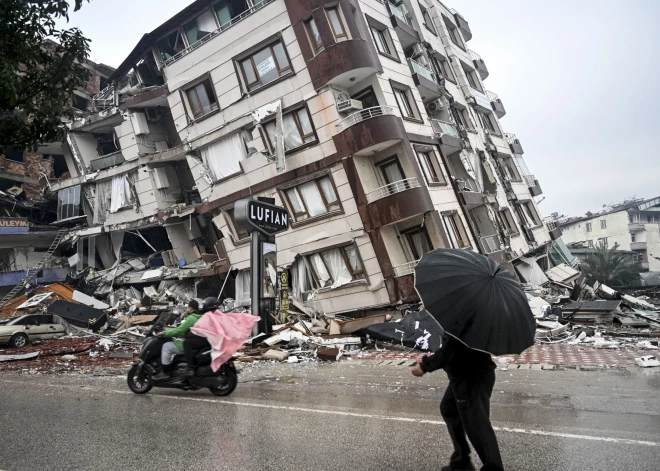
193,342
175,347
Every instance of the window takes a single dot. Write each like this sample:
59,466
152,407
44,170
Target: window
632,237
419,242
649,218
588,227
404,103
455,231
462,118
428,22
442,68
80,103
487,122
68,203
297,127
472,78
391,170
336,267
202,99
510,170
630,219
170,45
603,242
336,23
314,36
313,198
530,214
265,66
603,224
15,155
226,10
381,40
590,244
241,234
453,32
367,97
506,221
200,27
427,163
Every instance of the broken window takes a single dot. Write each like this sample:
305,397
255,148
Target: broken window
170,45
107,143
418,241
200,27
531,216
506,221
243,288
80,103
148,72
297,129
68,203
15,155
201,98
223,157
455,230
336,267
313,198
265,66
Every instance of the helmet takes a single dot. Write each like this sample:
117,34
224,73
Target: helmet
211,304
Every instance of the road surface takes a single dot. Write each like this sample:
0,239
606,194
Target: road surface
346,416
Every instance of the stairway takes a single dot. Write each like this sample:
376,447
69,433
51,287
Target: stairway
32,272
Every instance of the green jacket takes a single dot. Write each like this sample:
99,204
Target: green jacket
183,329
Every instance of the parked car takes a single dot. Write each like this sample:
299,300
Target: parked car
19,331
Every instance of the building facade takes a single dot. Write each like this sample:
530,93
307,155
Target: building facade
389,146
633,226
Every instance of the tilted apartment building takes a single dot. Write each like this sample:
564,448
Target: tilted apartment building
393,147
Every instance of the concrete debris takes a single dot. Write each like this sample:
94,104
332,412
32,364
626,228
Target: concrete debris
278,355
647,361
26,356
329,353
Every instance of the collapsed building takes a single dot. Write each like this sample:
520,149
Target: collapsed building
391,144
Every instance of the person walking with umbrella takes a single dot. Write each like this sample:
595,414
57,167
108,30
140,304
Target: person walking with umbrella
483,311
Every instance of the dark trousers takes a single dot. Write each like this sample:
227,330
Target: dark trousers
192,345
465,408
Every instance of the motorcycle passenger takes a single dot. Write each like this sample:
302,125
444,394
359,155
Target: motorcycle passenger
193,343
175,347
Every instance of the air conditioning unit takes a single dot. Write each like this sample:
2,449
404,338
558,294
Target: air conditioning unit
435,106
349,105
417,51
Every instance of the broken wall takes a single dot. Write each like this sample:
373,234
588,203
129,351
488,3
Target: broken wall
33,165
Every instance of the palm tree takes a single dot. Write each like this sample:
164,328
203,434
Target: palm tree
610,267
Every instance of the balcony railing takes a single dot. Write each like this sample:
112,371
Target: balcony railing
105,98
396,11
481,99
530,180
392,189
405,269
474,55
510,138
443,127
492,96
222,28
636,226
490,244
422,70
363,115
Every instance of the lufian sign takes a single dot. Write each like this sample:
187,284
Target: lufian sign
263,217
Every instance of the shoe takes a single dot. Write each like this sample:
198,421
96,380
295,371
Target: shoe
190,372
160,376
468,467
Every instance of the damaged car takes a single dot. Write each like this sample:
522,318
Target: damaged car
22,330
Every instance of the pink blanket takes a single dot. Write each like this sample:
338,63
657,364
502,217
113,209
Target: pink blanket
226,332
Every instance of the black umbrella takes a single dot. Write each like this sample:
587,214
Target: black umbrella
475,300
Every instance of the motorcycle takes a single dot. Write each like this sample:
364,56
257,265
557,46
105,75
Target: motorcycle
140,376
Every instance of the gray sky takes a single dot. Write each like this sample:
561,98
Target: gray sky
578,80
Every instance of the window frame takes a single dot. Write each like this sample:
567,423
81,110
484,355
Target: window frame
589,227
192,87
506,220
331,280
530,212
487,122
249,56
69,197
462,242
316,48
381,30
284,195
429,157
293,109
409,98
383,40
443,68
472,77
408,233
603,223
236,232
340,18
394,159
462,118
454,33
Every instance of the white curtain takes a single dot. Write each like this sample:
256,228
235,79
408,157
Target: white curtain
300,278
338,269
320,270
121,193
243,287
312,198
222,157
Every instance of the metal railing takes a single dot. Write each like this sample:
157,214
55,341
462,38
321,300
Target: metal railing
510,138
490,244
213,34
105,98
530,180
392,189
405,269
422,70
474,55
363,115
443,127
492,96
481,98
396,11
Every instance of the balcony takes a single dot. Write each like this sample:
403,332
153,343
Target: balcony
462,24
367,130
403,26
425,80
493,248
496,104
479,100
363,115
405,269
553,230
514,143
533,185
636,227
392,189
479,65
447,133
638,246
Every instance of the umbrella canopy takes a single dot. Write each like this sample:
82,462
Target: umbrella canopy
475,300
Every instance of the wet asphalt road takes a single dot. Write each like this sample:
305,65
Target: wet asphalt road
347,416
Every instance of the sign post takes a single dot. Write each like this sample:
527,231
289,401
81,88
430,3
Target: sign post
263,220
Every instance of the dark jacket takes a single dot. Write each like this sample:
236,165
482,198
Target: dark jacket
457,359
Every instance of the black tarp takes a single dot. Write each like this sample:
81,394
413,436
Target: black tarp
416,330
78,314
